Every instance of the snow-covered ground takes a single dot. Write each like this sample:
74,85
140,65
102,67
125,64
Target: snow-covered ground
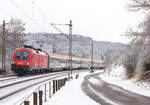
71,94
117,77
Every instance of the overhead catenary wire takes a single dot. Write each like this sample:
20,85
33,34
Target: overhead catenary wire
25,13
38,9
41,12
31,17
34,3
51,24
20,9
59,31
67,36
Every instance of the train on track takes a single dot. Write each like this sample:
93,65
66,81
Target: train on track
28,60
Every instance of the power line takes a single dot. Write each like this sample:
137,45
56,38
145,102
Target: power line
59,30
26,14
41,12
32,9
51,24
34,4
68,36
20,9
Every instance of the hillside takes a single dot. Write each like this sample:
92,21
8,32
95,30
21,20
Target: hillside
81,45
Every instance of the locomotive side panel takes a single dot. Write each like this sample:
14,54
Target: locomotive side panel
27,60
34,63
43,60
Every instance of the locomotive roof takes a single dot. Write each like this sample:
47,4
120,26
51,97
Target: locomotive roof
32,50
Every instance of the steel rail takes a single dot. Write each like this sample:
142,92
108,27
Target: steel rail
58,74
26,87
21,81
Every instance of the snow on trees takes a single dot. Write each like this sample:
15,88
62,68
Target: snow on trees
137,58
14,33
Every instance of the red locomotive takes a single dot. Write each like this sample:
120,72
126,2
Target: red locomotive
28,59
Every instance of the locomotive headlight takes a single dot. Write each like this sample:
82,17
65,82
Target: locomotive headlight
28,63
13,62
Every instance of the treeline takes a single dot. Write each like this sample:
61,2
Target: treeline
136,58
13,38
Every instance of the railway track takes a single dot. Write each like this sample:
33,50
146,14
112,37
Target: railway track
5,79
18,86
13,80
13,77
5,76
11,89
8,78
27,78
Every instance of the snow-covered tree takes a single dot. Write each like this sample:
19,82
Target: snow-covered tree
113,58
14,33
136,5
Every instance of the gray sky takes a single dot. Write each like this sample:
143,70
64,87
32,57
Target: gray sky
105,20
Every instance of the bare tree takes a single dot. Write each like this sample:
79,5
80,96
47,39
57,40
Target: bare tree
137,5
14,33
112,58
139,49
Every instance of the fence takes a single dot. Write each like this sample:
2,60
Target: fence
44,92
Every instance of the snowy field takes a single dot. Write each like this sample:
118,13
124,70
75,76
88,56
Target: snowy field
117,77
72,94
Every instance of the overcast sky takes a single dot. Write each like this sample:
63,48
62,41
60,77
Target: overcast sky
105,20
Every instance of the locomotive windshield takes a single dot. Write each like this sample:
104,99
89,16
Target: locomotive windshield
22,55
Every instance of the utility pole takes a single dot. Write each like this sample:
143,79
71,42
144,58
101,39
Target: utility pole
92,58
70,43
3,47
102,57
70,47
